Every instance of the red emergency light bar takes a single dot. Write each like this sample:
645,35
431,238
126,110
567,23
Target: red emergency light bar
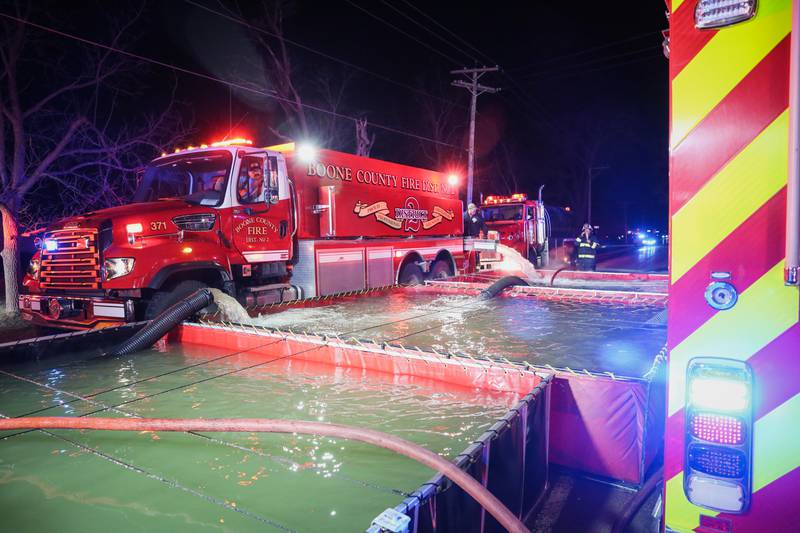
518,197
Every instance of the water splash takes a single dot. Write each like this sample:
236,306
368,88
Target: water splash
230,309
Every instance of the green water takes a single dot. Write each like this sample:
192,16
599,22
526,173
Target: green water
599,337
123,481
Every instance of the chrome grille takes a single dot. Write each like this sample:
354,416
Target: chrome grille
74,263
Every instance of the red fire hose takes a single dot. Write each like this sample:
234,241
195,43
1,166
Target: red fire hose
487,500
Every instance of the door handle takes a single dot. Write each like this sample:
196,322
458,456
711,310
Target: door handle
283,228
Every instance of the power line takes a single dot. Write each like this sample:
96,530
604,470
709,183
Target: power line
414,21
584,51
208,77
591,62
516,87
600,68
384,21
468,45
307,48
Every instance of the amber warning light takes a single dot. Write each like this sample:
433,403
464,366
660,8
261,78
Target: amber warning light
518,197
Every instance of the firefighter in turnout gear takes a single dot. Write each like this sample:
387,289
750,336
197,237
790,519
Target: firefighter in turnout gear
586,249
474,225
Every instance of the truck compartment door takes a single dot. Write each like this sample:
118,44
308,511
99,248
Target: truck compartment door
340,270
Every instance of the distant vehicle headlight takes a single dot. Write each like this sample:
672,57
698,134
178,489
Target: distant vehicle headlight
117,266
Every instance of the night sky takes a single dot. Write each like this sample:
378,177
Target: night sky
584,85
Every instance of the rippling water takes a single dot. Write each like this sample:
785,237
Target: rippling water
595,336
79,481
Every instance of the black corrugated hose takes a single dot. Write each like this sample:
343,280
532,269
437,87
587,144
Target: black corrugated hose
494,289
160,325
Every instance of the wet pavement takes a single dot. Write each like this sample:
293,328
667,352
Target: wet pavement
631,258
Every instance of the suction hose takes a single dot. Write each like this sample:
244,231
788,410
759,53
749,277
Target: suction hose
556,273
494,289
159,326
485,498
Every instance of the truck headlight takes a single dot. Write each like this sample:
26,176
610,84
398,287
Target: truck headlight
117,266
33,268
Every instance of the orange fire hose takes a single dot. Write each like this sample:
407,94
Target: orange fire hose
485,498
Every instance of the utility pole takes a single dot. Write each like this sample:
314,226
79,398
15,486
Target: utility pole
591,178
475,89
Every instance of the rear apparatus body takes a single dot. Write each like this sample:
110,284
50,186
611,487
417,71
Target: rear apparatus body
518,223
264,225
732,458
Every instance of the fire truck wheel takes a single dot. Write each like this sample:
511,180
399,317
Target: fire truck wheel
411,274
163,299
440,270
534,258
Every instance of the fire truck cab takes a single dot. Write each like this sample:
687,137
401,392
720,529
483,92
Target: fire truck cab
518,223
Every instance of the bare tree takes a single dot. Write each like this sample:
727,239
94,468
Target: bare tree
363,140
310,101
442,121
62,149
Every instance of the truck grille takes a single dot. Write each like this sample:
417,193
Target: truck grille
75,261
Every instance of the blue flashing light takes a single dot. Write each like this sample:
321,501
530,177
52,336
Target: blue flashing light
718,461
649,242
50,245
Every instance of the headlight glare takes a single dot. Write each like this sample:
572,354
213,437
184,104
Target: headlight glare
116,267
33,268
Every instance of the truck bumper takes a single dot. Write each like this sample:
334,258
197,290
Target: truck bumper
75,312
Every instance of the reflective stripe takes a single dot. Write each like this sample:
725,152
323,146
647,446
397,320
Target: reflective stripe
722,63
701,224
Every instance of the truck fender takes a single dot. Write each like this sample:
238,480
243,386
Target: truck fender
445,255
165,273
411,257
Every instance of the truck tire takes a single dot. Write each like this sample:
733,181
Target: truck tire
534,258
163,299
411,274
441,269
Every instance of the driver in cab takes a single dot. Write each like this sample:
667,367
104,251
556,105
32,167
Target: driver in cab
251,183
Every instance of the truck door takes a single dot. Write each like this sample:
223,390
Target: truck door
261,222
529,230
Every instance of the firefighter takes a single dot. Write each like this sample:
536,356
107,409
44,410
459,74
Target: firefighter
586,249
251,185
474,226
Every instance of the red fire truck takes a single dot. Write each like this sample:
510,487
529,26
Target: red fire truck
520,224
262,224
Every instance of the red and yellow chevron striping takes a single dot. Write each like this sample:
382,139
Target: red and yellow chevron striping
729,145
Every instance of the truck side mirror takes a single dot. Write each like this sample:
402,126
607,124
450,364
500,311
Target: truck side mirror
271,192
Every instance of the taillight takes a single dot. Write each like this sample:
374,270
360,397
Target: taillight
719,429
719,421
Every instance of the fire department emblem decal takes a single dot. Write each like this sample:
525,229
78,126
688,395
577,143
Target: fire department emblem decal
409,217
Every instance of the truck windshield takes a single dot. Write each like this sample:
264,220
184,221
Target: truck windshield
198,178
503,212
